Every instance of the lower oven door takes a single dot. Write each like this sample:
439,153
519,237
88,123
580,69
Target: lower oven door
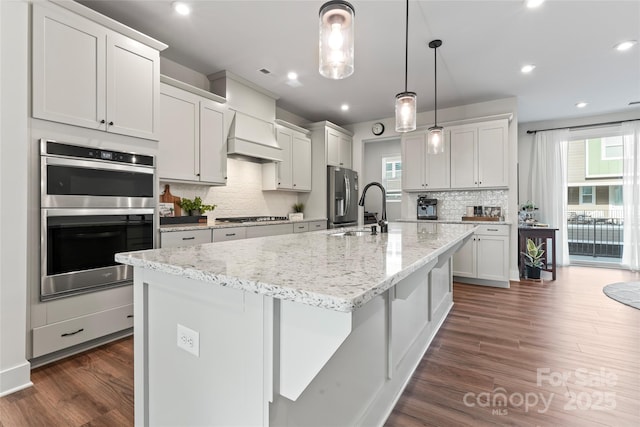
78,248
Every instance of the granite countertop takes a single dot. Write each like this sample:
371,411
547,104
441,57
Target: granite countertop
339,273
201,226
455,221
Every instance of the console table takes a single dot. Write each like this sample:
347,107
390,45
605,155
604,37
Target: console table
538,235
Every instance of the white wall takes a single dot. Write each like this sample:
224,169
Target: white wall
525,141
14,72
374,151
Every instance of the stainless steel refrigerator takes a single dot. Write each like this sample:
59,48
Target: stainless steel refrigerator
342,197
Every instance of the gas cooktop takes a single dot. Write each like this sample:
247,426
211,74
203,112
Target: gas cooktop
252,219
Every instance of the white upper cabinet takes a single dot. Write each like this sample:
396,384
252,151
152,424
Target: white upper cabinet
421,170
191,146
479,155
87,75
338,148
294,172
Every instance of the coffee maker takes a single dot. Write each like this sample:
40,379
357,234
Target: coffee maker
427,208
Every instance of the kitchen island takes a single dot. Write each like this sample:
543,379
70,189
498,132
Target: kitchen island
321,328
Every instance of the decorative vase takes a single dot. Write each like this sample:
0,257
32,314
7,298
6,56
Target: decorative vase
195,212
533,272
296,216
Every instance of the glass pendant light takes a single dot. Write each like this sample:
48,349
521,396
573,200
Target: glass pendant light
435,142
336,39
406,101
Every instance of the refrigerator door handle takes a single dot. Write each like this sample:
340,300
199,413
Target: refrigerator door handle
347,189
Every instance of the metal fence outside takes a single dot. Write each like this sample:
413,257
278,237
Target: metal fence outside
595,233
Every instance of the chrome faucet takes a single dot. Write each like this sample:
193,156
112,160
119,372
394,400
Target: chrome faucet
383,223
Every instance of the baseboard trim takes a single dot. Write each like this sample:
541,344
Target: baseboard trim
15,379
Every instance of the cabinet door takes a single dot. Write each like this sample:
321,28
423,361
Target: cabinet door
231,233
463,158
133,79
493,166
68,69
173,239
179,135
285,141
345,151
492,258
464,261
333,147
437,167
413,162
301,163
213,150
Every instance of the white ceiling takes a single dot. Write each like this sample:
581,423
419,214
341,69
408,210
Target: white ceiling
485,43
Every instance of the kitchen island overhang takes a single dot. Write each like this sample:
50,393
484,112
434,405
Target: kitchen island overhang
307,329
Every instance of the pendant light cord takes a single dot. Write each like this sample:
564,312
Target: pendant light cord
406,48
435,85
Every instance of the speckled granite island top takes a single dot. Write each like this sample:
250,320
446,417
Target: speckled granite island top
318,268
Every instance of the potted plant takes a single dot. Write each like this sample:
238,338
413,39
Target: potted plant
297,214
195,207
533,259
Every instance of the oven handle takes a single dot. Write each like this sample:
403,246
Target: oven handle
95,164
85,212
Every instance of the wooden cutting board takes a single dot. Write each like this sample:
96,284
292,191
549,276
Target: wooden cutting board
480,218
167,197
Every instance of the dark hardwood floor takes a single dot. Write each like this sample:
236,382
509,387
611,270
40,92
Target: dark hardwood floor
559,353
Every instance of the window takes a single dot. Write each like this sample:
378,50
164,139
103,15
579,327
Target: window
587,195
392,177
615,195
612,148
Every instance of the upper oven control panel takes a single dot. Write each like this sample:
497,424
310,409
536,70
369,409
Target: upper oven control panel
56,148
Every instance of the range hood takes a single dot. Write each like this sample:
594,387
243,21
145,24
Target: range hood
253,137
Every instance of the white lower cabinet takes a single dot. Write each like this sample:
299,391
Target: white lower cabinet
184,238
269,230
231,233
317,225
485,256
301,227
61,335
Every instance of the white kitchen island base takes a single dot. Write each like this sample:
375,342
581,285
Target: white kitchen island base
315,329
248,351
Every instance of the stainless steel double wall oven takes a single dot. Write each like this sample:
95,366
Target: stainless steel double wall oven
94,203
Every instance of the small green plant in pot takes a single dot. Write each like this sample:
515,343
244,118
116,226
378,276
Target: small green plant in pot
195,207
297,214
533,259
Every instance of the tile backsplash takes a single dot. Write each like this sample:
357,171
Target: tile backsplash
242,196
452,205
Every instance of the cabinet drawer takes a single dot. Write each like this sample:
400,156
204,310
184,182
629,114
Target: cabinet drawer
317,225
269,230
301,227
172,239
57,336
231,233
493,230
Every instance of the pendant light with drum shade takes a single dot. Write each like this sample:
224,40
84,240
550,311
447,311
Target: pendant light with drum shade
435,142
406,101
337,19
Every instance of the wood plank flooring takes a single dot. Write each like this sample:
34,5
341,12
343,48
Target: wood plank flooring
491,346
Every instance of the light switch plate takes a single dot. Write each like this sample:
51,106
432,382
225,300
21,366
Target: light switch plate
189,340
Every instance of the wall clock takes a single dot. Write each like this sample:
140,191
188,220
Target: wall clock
377,128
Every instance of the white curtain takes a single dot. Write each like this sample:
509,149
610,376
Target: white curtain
549,185
631,195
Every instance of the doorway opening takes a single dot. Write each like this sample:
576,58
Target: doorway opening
595,199
383,163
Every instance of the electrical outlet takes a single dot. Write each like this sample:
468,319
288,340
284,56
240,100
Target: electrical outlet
189,340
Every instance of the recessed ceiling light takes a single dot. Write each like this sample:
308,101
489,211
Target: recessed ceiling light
625,45
292,75
344,107
581,104
528,68
181,8
534,3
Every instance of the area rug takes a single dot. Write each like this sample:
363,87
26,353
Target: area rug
625,292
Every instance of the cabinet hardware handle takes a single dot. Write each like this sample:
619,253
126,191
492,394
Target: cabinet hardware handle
68,334
295,185
102,121
301,227
189,238
110,123
225,177
278,183
130,316
230,234
197,174
492,229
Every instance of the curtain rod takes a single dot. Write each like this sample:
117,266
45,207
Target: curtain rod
583,126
